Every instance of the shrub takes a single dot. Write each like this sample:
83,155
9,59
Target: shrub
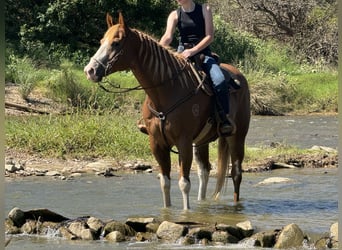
23,72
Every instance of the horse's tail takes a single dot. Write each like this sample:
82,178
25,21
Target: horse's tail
222,165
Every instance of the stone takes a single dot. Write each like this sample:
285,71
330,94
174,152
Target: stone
233,230
17,216
139,224
118,226
170,231
115,236
265,239
75,175
30,227
152,227
224,237
275,180
144,236
200,233
96,225
334,231
65,233
10,168
10,228
52,173
246,228
290,236
81,230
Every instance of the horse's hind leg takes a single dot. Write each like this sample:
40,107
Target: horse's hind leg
201,154
237,156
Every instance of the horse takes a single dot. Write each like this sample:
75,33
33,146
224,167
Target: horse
176,111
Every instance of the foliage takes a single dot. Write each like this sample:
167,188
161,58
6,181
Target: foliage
288,22
228,44
67,27
22,72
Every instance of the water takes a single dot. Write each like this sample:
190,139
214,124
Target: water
311,201
300,131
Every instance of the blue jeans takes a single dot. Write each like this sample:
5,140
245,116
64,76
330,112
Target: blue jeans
212,69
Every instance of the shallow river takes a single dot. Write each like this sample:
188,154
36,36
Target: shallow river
311,200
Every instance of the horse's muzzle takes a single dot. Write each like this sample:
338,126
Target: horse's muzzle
92,72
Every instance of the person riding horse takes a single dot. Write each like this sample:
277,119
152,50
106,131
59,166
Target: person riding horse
195,24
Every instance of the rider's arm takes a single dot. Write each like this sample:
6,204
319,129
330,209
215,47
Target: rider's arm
170,29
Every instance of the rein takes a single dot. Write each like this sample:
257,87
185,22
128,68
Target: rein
160,115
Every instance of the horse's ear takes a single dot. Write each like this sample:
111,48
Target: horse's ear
121,20
109,19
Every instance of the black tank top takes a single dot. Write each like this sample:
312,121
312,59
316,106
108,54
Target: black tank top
191,26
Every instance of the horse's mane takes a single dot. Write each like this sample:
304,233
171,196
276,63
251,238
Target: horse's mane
172,52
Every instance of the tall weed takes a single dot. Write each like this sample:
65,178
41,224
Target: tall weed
23,72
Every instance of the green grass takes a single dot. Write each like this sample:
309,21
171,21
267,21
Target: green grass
317,92
78,135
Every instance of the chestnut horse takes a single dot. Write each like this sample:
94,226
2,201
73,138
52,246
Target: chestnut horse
176,111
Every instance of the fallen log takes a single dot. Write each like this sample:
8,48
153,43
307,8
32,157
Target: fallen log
25,108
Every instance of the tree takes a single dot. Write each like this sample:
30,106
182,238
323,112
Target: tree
288,21
71,25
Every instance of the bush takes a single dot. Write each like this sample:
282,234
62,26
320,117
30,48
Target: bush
229,45
23,72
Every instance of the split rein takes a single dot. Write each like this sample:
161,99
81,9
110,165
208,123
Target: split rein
160,115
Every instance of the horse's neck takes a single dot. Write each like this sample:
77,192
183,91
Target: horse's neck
156,68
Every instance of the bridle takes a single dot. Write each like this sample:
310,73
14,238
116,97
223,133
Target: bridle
114,59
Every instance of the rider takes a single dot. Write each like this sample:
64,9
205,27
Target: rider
195,24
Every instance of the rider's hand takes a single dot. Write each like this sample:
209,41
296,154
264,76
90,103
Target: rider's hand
187,53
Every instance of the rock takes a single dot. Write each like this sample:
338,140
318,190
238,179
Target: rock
75,175
274,180
188,240
81,230
322,148
334,231
52,173
65,233
139,224
17,216
233,230
246,228
43,214
30,227
96,225
152,227
323,243
170,231
10,168
224,237
199,233
115,236
144,236
265,239
290,236
118,226
10,228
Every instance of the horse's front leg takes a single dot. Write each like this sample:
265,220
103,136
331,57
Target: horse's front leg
201,154
185,160
162,155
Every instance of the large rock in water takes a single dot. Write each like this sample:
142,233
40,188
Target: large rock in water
118,226
290,236
170,231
